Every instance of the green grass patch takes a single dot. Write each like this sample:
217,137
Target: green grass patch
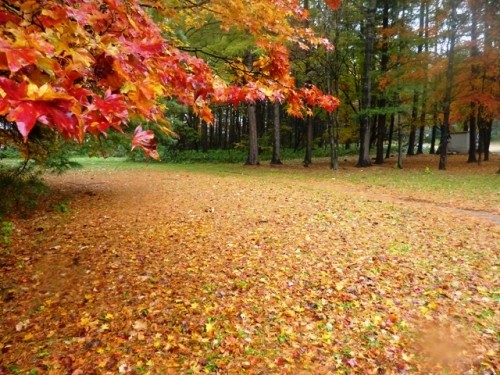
407,181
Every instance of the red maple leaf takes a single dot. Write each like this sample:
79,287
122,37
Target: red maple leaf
334,4
144,139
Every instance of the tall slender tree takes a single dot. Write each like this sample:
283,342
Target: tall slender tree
445,128
366,91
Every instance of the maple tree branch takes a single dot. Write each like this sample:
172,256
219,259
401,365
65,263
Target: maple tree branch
196,50
195,4
12,8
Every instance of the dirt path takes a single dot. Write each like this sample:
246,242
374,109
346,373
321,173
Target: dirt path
167,272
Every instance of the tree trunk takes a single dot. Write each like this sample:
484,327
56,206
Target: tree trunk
276,134
445,128
487,140
253,147
333,87
333,130
364,130
472,134
421,133
400,143
204,136
382,102
411,139
474,51
424,32
379,159
389,141
432,150
309,141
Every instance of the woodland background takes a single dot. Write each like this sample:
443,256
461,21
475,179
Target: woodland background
406,72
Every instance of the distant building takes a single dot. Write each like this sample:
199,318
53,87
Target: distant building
459,142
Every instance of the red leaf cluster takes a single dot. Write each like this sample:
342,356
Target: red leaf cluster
88,66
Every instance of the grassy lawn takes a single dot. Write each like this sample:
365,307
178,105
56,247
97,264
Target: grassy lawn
467,186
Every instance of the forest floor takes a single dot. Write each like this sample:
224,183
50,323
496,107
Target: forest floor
153,269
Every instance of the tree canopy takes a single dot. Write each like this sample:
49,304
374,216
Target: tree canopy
89,66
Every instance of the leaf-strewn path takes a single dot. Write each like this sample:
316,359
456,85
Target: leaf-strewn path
169,272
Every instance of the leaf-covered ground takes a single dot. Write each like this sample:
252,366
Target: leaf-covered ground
169,271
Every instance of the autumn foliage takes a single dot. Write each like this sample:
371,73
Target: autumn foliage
90,66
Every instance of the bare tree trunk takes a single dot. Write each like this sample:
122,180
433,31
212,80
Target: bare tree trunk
276,134
309,141
389,141
432,150
364,130
472,134
421,133
487,140
382,102
445,128
204,136
400,142
333,129
474,51
333,86
253,147
411,140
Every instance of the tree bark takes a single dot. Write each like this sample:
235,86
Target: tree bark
421,133
309,141
472,134
389,141
411,139
379,159
432,150
487,140
204,136
400,142
382,102
474,51
276,135
445,128
253,147
424,27
364,129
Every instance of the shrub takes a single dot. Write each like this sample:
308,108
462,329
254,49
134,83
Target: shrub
20,189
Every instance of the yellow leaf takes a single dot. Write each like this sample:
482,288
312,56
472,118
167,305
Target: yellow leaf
340,285
406,357
157,343
27,337
84,321
327,337
100,350
482,290
209,328
108,316
195,305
